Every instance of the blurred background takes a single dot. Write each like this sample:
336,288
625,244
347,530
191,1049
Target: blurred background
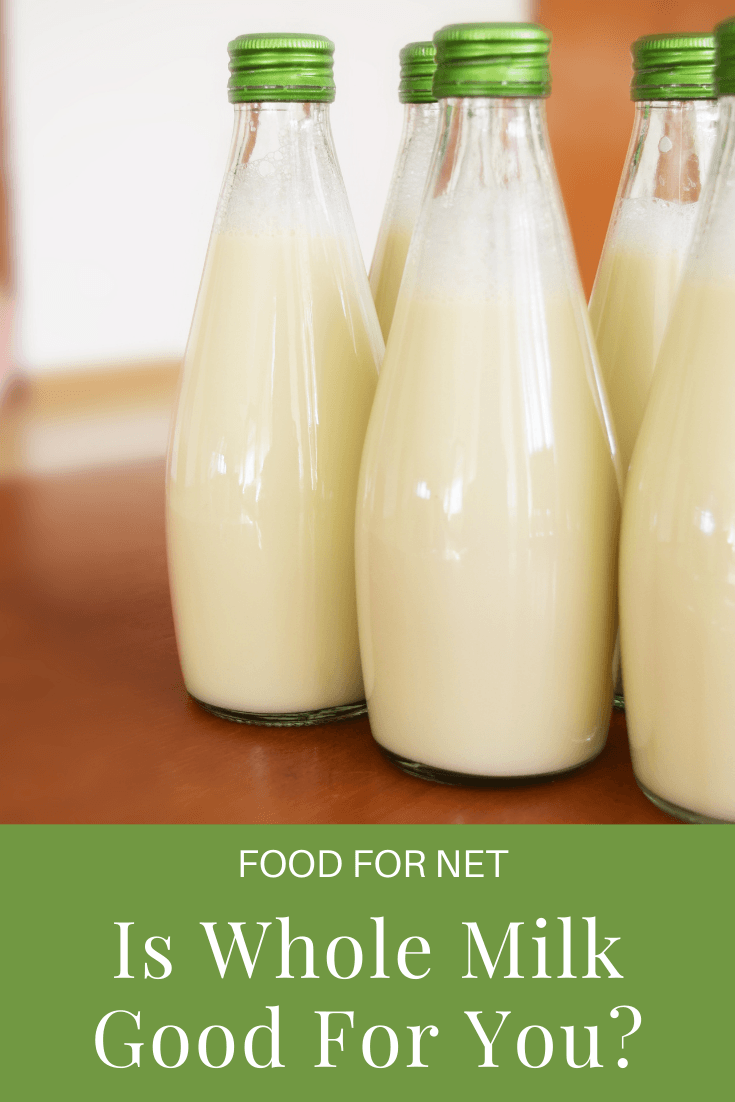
115,133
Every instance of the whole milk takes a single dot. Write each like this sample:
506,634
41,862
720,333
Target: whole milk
387,273
631,302
677,581
278,382
489,507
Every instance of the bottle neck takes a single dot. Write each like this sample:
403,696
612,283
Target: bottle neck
418,120
712,253
670,150
420,125
282,172
420,128
263,129
490,142
492,218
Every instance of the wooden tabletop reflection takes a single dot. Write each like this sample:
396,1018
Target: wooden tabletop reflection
97,726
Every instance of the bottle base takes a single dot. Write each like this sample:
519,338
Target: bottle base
476,780
677,812
287,719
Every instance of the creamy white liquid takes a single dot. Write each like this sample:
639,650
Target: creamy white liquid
630,305
486,540
629,310
386,273
631,301
677,584
278,382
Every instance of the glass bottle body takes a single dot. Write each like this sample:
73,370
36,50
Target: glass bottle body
420,124
677,573
278,380
646,245
489,498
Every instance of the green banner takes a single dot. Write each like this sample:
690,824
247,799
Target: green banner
329,962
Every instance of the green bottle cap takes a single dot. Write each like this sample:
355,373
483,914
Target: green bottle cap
725,67
492,59
673,66
418,62
296,68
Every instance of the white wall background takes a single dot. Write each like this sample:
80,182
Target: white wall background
119,129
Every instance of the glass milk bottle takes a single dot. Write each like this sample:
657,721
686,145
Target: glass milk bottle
278,380
653,220
420,119
677,569
488,504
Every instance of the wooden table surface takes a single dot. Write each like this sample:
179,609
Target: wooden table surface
97,726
